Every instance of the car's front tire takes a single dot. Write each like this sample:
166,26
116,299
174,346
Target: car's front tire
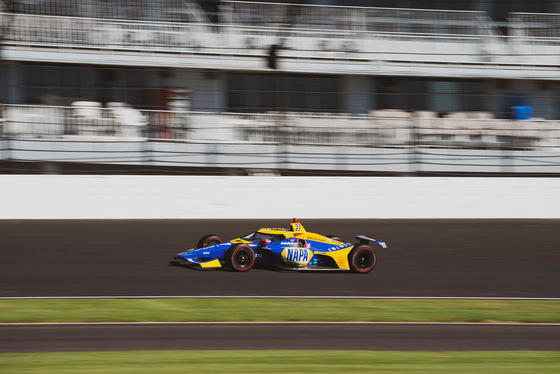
361,259
240,257
208,240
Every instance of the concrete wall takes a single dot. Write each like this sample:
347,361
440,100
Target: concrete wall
176,197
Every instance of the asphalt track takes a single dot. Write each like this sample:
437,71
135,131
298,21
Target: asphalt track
447,258
434,258
278,336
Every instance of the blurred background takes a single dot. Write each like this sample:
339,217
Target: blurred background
316,87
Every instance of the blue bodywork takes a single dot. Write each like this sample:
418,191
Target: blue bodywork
268,252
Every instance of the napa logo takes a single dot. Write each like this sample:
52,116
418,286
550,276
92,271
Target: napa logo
299,256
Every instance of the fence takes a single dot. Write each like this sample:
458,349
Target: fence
372,41
56,31
536,25
320,17
379,128
300,30
162,10
382,142
535,34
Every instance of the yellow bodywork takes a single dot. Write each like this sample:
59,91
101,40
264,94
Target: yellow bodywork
211,264
340,257
297,231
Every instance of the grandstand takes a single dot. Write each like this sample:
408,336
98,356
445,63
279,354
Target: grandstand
255,87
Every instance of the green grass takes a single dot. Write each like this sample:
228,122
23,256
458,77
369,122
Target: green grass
248,310
281,362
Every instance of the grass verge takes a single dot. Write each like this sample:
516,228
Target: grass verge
281,361
264,310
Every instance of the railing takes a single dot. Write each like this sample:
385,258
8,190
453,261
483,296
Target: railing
103,34
534,37
535,25
147,10
383,141
364,34
383,128
314,17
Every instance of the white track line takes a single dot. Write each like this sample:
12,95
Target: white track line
283,297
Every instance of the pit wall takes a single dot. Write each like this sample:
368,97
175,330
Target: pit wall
206,197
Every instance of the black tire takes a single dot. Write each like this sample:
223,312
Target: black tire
240,257
334,237
361,259
207,240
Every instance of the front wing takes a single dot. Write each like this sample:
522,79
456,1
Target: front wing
202,257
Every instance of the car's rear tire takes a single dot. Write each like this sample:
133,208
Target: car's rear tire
361,259
207,240
240,257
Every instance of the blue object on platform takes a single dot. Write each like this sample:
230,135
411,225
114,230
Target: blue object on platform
522,112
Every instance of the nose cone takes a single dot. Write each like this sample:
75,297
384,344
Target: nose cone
179,256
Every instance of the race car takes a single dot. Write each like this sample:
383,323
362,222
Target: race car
292,248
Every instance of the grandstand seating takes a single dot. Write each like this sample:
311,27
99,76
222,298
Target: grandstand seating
130,122
387,127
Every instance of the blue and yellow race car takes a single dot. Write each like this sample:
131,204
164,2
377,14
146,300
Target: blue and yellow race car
292,248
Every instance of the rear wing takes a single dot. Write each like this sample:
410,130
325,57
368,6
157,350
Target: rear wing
365,240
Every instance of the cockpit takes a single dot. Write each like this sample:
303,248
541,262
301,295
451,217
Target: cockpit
259,236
